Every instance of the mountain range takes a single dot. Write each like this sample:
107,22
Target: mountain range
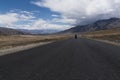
96,26
9,31
49,31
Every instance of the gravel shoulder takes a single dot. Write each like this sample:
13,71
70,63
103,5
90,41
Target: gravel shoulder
107,41
22,48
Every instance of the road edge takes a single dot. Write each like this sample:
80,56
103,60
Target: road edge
106,41
22,48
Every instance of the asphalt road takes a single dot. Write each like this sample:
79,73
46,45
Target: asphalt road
72,59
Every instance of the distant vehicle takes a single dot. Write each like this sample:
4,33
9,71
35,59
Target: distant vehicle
75,36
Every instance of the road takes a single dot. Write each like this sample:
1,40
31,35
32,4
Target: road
71,59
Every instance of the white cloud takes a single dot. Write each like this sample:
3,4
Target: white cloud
64,20
8,19
83,10
11,18
45,25
54,15
26,20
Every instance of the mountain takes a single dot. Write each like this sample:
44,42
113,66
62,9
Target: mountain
96,26
39,31
9,31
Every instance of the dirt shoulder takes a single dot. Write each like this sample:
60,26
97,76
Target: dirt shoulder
21,48
111,36
111,39
107,41
14,43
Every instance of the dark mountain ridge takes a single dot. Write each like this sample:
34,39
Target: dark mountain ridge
39,31
96,26
9,31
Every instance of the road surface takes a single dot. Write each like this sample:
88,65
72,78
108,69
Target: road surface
72,59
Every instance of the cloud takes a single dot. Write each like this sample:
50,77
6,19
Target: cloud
83,11
8,19
54,15
26,20
41,24
11,18
64,21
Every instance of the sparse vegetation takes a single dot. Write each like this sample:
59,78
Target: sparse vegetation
113,38
9,41
110,35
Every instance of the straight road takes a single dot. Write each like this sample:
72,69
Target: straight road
72,59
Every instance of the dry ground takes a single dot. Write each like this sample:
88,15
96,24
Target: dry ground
10,41
112,35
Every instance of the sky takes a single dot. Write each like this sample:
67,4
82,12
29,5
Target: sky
55,14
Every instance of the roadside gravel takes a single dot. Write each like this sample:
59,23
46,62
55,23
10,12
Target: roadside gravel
21,48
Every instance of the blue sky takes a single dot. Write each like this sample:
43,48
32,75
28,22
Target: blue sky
55,14
24,5
41,15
